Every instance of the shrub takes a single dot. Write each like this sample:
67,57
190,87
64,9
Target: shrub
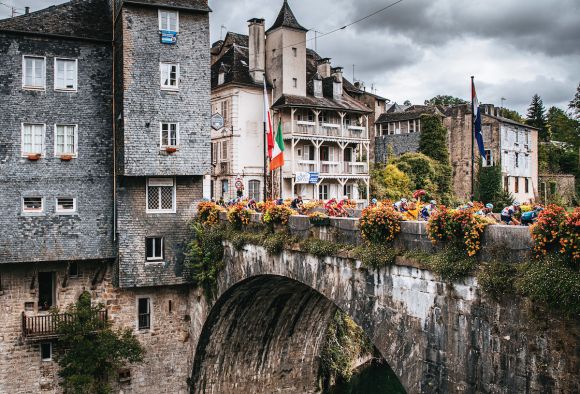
208,213
274,243
239,216
451,264
433,139
375,255
389,183
497,278
320,248
460,227
204,256
319,219
380,224
550,281
546,231
277,214
570,239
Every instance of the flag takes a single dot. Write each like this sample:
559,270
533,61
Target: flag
278,152
477,120
268,122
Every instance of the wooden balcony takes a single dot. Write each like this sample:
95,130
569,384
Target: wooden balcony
44,327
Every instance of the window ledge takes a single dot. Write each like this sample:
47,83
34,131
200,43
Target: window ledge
35,89
154,262
170,90
32,214
66,90
67,213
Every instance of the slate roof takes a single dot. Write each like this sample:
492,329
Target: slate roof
347,103
86,19
190,5
235,64
286,18
409,114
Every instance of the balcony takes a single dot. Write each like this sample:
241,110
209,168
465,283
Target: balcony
324,129
44,327
306,166
329,167
356,168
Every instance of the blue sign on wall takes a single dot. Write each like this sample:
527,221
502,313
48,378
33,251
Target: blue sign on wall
314,178
168,37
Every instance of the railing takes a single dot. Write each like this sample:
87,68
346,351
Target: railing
356,168
329,167
306,166
144,321
330,129
45,326
324,129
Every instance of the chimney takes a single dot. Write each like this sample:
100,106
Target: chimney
257,49
337,71
337,83
324,67
26,10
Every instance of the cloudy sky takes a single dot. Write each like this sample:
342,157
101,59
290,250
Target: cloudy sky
420,48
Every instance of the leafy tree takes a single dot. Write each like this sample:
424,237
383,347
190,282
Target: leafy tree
390,183
537,117
511,114
489,187
407,102
563,128
445,100
575,103
433,139
91,350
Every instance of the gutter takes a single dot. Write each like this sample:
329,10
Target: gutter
51,35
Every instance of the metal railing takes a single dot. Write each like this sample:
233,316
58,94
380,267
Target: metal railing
46,326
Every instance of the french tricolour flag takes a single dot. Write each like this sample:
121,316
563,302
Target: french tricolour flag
477,120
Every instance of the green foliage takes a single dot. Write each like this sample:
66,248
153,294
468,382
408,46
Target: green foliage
91,350
204,256
574,105
497,278
375,255
445,100
489,188
319,247
274,243
407,102
451,264
537,118
389,183
345,342
551,282
433,139
564,128
513,115
425,173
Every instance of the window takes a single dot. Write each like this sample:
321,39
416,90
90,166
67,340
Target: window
309,152
488,159
517,161
214,152
169,76
224,151
161,195
65,140
411,126
66,205
295,52
317,88
73,269
33,72
295,82
45,290
224,110
348,155
225,186
254,190
65,74
29,306
516,184
391,129
32,139
154,249
323,192
33,205
46,351
347,192
526,185
144,313
169,20
506,183
221,78
169,134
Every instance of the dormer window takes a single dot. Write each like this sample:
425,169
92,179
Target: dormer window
221,78
317,88
337,90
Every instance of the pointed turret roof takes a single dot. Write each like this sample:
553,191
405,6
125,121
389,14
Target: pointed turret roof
286,18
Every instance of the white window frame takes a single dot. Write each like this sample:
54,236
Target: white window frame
161,76
161,146
35,212
65,211
43,359
76,141
155,259
321,192
256,192
221,78
76,79
22,151
159,180
31,87
176,20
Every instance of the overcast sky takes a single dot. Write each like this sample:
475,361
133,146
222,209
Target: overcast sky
420,48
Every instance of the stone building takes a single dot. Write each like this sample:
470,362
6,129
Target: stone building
510,144
326,120
554,187
105,114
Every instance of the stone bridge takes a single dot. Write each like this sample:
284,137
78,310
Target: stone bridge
266,329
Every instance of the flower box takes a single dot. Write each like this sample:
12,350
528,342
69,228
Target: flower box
34,156
66,157
171,149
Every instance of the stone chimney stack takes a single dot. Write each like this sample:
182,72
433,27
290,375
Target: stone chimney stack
324,68
337,72
257,49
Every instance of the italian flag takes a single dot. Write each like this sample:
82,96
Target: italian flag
278,151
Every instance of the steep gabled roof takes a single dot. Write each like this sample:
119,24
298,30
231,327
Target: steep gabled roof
85,19
287,19
234,64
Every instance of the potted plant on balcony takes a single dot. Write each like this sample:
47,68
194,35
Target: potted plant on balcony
66,157
33,156
171,149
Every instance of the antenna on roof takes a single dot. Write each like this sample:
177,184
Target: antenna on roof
222,31
353,79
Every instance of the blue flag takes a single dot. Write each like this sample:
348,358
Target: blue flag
477,121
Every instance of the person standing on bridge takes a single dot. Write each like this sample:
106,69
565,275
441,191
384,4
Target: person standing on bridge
508,213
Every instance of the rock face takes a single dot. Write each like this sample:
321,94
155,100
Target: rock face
265,331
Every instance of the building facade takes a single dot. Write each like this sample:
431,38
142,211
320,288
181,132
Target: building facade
512,145
325,129
105,115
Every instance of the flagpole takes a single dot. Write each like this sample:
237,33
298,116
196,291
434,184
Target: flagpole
265,145
472,140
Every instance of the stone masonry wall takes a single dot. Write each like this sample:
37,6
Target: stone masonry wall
401,143
134,224
88,234
145,105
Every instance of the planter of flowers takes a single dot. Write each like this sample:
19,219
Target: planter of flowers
66,157
34,156
171,149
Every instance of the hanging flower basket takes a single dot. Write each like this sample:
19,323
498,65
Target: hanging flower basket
66,157
170,149
34,156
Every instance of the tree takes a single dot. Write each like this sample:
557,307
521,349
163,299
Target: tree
575,103
511,114
91,350
489,187
537,117
563,128
445,100
390,183
433,139
407,102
